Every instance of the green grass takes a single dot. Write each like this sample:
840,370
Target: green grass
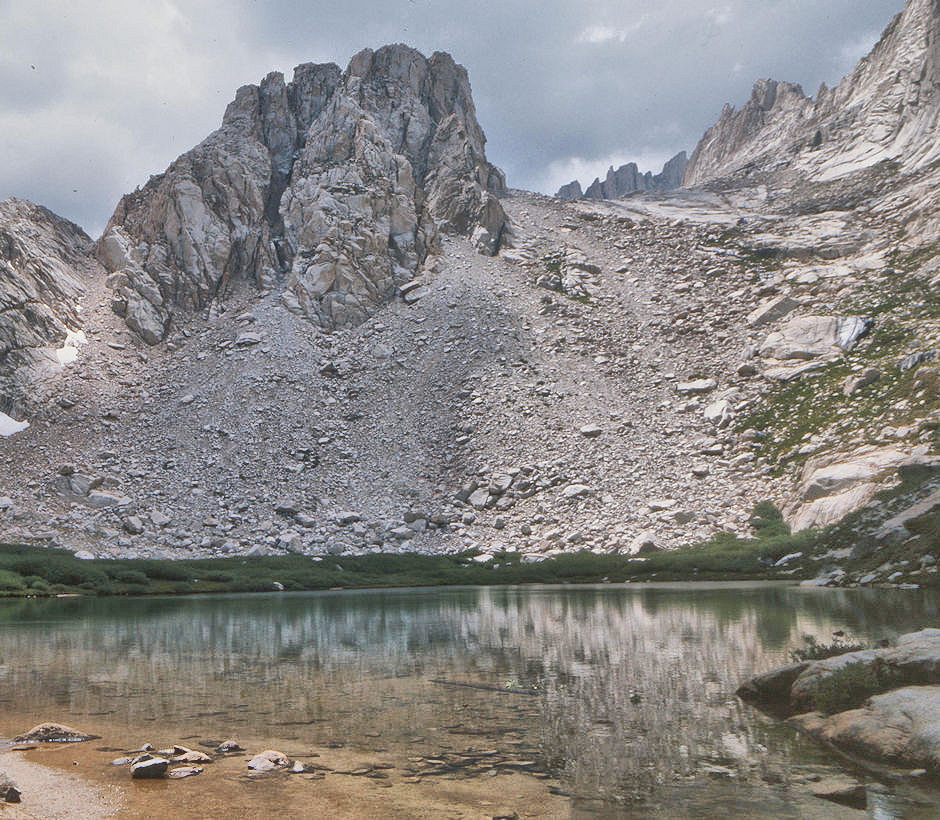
32,571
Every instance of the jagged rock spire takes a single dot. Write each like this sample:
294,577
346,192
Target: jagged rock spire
332,187
887,108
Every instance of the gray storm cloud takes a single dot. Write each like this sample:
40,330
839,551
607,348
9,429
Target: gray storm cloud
97,95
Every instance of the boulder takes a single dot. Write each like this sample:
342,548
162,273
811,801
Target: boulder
858,381
719,414
643,544
812,337
268,761
148,767
179,772
697,387
9,793
794,688
835,485
901,727
53,733
772,310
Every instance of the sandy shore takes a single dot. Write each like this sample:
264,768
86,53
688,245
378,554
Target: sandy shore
54,792
78,781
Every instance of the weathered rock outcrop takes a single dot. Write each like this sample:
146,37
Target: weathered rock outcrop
44,260
795,688
332,186
628,179
571,191
887,108
900,726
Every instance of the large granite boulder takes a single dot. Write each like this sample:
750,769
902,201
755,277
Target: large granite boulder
795,688
835,485
896,721
901,727
331,187
812,337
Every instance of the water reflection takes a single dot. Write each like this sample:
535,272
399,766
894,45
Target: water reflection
626,692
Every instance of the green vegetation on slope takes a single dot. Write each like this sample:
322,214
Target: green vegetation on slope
26,570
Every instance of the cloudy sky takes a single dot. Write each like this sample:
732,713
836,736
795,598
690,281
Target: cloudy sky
96,95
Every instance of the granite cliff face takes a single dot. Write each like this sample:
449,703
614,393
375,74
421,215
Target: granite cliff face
43,262
886,109
331,188
628,179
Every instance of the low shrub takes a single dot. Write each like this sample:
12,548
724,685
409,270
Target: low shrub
853,684
812,650
10,582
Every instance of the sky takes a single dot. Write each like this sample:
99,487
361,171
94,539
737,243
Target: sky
97,95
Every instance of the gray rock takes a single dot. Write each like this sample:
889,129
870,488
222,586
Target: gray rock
479,498
149,768
861,380
9,793
901,727
268,760
575,491
179,772
133,525
100,500
771,311
697,387
643,544
811,337
915,659
248,338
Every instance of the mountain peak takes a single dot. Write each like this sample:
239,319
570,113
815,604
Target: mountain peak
886,108
331,187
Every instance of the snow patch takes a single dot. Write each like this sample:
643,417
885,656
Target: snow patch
68,353
9,426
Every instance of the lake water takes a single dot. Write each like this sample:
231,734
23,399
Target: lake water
621,698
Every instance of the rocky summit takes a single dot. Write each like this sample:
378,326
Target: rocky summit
628,179
330,328
331,188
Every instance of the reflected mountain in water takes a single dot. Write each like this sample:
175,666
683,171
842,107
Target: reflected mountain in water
625,693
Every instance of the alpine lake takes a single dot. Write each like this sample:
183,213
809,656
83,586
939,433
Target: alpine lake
561,701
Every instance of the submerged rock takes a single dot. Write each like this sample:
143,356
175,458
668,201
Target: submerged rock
149,768
268,761
185,771
53,733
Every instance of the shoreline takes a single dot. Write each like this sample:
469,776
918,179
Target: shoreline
50,791
78,780
30,572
